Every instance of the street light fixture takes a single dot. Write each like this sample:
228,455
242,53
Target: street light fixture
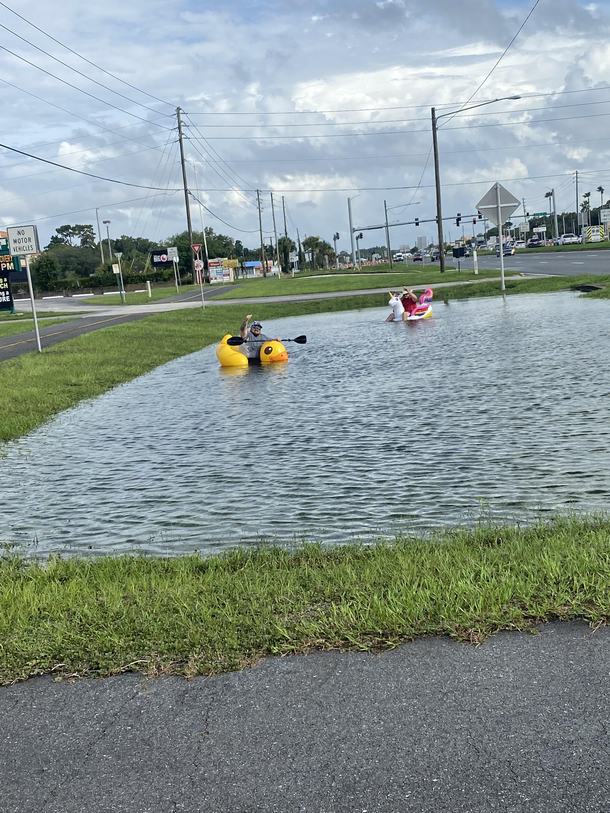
437,176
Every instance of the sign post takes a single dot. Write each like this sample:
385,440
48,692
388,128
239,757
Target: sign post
23,241
198,264
498,205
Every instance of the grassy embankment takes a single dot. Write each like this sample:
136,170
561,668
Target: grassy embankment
42,385
142,298
12,328
190,615
288,286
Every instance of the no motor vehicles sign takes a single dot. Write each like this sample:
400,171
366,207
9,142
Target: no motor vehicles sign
23,240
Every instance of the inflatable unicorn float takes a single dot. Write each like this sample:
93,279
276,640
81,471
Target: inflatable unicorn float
420,310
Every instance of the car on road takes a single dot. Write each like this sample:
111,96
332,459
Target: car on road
520,244
398,258
418,258
569,239
507,250
435,255
534,242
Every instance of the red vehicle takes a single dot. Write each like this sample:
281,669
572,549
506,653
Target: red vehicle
417,258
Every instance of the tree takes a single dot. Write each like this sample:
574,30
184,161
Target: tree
67,235
601,190
285,246
45,271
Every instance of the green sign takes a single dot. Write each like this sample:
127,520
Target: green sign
538,214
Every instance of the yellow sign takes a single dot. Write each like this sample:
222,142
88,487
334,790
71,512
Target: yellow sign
230,263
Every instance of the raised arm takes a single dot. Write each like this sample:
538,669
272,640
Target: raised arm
243,331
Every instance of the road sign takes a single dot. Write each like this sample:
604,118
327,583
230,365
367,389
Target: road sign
539,214
498,204
604,215
524,228
198,265
196,247
115,268
23,240
172,253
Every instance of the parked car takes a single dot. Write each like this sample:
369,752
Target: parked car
519,244
569,239
398,258
534,242
507,250
417,258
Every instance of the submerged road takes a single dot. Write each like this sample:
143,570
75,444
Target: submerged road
517,724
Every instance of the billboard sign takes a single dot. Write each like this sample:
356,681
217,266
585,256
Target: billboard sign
604,215
160,259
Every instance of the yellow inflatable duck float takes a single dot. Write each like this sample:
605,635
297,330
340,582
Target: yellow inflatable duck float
270,353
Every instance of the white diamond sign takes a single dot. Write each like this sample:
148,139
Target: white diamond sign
498,204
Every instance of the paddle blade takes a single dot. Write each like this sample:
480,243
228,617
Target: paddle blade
300,340
235,340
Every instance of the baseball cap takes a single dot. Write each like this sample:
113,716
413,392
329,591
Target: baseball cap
256,325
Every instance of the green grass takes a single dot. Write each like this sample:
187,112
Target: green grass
131,298
199,616
12,328
42,315
355,282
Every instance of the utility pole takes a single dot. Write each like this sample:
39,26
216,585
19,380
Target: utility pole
260,225
555,214
439,211
387,232
277,248
577,213
284,210
186,193
300,254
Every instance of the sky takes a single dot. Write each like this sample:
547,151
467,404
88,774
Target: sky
312,101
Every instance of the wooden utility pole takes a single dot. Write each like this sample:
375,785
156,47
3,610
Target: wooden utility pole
186,194
284,210
260,225
277,249
439,210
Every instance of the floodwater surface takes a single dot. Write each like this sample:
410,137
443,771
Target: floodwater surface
371,428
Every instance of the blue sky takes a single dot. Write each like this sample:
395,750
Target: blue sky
297,97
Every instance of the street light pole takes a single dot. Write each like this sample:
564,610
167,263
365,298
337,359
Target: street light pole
106,223
351,230
437,174
439,210
99,235
387,233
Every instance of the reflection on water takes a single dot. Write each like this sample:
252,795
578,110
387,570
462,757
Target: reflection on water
371,428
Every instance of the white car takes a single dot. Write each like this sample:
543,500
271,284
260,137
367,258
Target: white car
569,239
520,244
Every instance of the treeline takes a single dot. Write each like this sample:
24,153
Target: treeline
75,259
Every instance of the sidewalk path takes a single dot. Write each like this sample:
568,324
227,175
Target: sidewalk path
517,725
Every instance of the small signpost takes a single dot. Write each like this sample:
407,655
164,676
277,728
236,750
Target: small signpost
497,205
22,242
199,265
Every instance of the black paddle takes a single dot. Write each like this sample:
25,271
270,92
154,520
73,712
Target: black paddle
235,340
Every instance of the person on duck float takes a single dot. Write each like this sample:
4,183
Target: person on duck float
253,337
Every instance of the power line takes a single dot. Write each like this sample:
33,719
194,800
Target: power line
80,90
80,171
246,231
500,59
80,56
80,73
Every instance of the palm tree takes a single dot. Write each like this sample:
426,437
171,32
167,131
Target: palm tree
548,195
600,189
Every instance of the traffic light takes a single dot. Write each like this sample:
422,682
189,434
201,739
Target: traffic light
359,236
480,216
458,219
336,236
474,220
417,221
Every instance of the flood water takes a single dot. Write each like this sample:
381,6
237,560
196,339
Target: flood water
499,406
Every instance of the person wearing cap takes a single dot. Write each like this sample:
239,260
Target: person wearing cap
409,302
254,338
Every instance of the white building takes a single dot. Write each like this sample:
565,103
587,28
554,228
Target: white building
422,242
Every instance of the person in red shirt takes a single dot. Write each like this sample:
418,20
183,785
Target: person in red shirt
409,302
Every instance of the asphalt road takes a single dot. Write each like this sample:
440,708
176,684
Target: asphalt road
569,263
517,725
